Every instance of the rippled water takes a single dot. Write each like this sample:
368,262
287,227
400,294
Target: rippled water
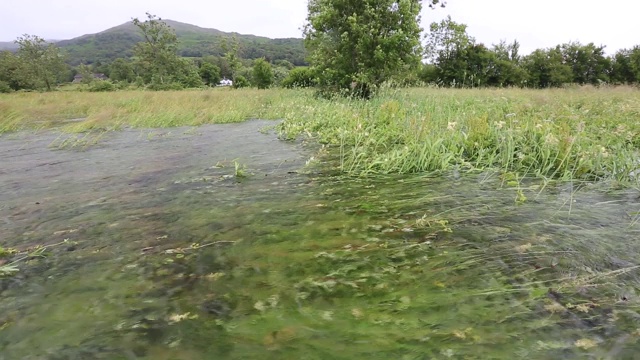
170,255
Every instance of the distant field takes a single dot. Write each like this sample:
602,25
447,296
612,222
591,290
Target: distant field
579,133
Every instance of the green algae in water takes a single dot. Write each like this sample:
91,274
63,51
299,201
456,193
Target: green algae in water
329,267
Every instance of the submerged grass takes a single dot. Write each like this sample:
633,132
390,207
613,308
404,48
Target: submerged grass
583,133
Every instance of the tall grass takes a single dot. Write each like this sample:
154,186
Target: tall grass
581,133
586,133
141,109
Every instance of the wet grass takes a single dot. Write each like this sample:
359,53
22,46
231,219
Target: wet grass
585,133
82,111
581,133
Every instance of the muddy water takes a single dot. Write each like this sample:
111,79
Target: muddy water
160,251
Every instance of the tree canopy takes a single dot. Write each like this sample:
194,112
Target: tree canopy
40,63
356,45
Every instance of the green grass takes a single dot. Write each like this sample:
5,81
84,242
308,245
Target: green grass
585,133
581,133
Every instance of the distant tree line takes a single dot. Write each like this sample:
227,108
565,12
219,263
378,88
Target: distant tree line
392,52
456,59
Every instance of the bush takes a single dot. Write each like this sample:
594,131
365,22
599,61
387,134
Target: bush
101,86
5,88
299,77
241,82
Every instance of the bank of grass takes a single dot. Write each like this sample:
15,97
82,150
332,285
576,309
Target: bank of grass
579,133
138,109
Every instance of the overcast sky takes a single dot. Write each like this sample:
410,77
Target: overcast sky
539,23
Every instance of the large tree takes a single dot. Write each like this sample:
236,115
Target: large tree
158,58
157,54
41,63
356,45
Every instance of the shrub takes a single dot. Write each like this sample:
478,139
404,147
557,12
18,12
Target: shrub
101,86
5,88
241,82
299,77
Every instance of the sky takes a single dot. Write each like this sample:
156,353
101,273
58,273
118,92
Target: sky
534,23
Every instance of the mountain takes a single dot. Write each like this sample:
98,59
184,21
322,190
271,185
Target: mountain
194,41
8,45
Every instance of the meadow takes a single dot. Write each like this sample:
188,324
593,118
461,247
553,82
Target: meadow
581,133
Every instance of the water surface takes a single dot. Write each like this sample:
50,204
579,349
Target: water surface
159,250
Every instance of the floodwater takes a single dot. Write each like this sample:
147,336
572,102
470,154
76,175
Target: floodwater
218,242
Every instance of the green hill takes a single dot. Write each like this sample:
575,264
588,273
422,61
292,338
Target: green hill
8,45
195,41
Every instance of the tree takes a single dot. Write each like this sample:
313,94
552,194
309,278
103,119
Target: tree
232,56
625,68
446,40
87,74
299,77
546,68
262,74
210,74
41,63
158,57
9,65
588,62
122,70
157,53
449,48
356,45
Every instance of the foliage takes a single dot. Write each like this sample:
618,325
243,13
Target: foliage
355,46
241,82
40,63
157,53
445,40
210,74
4,87
232,56
280,73
101,86
122,70
157,57
262,74
9,67
546,69
299,78
87,74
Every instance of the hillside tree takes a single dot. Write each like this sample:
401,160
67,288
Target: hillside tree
356,45
41,63
157,53
158,56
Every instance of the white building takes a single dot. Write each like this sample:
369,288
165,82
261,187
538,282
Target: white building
225,82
